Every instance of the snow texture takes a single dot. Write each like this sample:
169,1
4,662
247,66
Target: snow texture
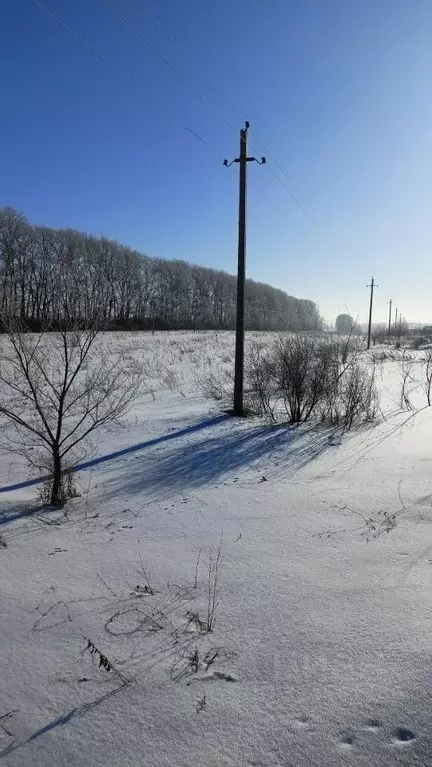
319,650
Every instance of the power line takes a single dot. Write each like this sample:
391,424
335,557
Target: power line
173,68
207,80
134,82
130,79
291,194
166,61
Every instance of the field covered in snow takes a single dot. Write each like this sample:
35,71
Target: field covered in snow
223,593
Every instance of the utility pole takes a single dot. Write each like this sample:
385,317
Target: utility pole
396,314
241,268
390,315
371,286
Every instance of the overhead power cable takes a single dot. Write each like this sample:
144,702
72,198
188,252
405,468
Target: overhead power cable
159,53
200,72
130,79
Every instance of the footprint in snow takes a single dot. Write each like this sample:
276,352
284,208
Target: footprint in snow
302,722
403,735
346,740
372,725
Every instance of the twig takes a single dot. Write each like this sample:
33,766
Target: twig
399,494
7,716
213,584
87,493
196,569
103,660
43,615
144,572
201,704
106,585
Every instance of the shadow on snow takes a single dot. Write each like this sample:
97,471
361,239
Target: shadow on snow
125,451
206,460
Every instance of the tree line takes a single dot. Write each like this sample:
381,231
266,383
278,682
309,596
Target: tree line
49,276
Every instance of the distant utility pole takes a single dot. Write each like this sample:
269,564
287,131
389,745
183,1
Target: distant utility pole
390,315
241,268
396,314
371,286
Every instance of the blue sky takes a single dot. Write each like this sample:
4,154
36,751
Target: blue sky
338,93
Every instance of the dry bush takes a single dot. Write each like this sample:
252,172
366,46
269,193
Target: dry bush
261,394
308,377
419,341
302,368
355,399
407,381
216,386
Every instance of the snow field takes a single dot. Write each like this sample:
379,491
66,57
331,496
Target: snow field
319,652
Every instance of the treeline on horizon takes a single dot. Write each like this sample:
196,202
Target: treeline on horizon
49,276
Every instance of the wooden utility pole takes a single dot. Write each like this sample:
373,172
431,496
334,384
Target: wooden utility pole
371,286
390,317
241,269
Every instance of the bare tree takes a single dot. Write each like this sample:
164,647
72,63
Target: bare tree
56,390
48,274
345,324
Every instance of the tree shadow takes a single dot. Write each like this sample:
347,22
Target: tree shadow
191,429
13,511
209,459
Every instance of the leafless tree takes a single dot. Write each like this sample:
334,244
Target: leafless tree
56,390
48,274
346,325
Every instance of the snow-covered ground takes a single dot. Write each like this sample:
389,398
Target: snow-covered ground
320,648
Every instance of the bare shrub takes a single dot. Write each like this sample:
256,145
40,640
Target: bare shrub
408,382
419,341
348,347
307,377
217,387
358,396
170,380
379,334
302,373
296,377
261,397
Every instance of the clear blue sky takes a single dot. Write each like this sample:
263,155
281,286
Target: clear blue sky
338,92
